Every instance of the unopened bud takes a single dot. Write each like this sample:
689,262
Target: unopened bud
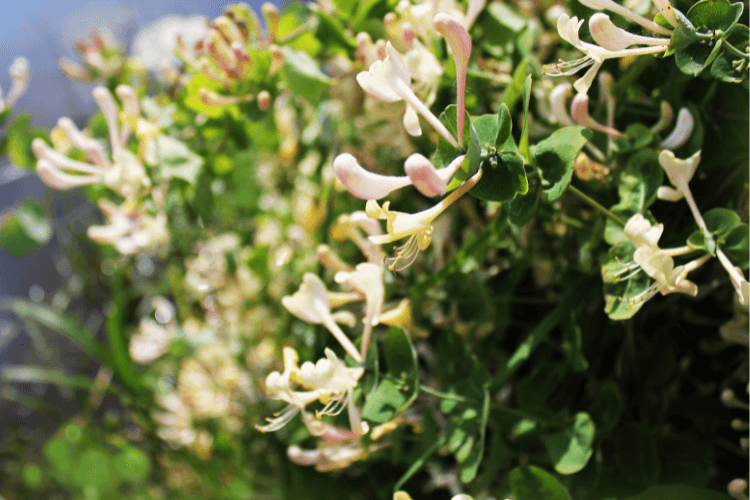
271,17
277,59
228,29
264,100
683,129
211,98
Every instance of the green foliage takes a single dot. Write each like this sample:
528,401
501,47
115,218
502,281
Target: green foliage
303,75
25,228
555,157
533,483
571,448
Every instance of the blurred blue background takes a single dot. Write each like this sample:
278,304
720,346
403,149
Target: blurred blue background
43,31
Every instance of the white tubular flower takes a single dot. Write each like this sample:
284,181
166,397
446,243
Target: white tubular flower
679,172
150,342
683,129
125,175
20,73
310,303
416,227
390,81
568,28
472,12
279,386
611,5
641,233
349,226
580,113
367,278
460,43
666,115
558,98
130,231
740,284
334,383
657,263
420,171
606,34
361,182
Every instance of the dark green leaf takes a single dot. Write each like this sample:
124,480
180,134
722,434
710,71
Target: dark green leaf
570,449
516,88
383,403
694,58
446,153
503,177
555,156
735,246
683,36
523,207
715,14
636,454
533,483
504,125
331,32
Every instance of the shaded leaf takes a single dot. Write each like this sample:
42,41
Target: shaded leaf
533,483
571,448
555,156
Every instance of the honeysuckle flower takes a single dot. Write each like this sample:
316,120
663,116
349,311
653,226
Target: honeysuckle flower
680,172
416,227
611,37
666,9
125,175
683,129
580,114
310,303
329,259
401,317
657,263
130,230
666,115
20,72
331,456
279,386
350,226
558,98
613,6
420,172
740,284
334,382
367,278
390,81
460,43
568,28
149,342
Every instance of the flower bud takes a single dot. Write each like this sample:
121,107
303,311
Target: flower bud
683,129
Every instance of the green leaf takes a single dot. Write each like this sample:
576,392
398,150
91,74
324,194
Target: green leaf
383,403
503,176
679,492
636,454
523,143
25,229
607,404
446,153
175,159
571,448
694,58
555,156
52,319
522,208
720,223
400,356
18,138
715,14
331,32
735,246
504,125
293,16
345,7
723,70
683,36
640,182
533,483
303,75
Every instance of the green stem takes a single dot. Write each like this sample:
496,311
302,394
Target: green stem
526,416
442,395
595,204
301,30
735,51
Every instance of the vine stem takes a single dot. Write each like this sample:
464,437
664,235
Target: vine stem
595,204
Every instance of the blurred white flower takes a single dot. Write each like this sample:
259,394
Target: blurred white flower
156,42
